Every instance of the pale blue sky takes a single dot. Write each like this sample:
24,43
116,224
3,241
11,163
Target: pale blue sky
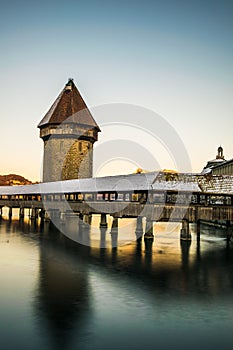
174,57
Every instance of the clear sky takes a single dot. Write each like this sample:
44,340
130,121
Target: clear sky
172,57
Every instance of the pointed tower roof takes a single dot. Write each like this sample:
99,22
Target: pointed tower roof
70,107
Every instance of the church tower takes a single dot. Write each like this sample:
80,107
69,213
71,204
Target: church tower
69,132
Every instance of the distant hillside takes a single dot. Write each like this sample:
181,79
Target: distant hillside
13,179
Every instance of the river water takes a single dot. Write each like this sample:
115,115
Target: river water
56,294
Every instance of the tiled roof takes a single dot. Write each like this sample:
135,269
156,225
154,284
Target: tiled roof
69,107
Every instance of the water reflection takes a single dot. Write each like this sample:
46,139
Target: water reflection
99,298
63,301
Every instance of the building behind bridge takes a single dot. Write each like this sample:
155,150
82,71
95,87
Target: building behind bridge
219,165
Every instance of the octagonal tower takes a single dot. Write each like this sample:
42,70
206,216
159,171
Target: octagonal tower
69,132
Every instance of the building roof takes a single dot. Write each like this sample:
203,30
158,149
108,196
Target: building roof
227,162
219,160
69,107
213,164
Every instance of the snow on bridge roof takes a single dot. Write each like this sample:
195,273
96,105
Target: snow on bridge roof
118,183
157,181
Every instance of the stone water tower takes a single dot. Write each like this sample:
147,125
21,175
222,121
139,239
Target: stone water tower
69,132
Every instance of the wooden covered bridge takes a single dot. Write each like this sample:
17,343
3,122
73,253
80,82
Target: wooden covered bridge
156,196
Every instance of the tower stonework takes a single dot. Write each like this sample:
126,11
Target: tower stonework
69,132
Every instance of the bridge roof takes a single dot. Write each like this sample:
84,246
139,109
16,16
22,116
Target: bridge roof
119,183
158,181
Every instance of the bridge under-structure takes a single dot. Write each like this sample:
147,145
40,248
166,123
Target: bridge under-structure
156,196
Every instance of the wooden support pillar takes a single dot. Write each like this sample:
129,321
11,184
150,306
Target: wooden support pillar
36,213
42,214
229,230
103,220
33,213
149,230
114,224
198,230
102,238
62,217
139,230
87,219
83,228
185,247
114,232
10,213
114,236
148,253
184,232
81,220
21,213
46,216
148,247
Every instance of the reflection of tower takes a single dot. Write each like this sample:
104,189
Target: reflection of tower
69,132
63,289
